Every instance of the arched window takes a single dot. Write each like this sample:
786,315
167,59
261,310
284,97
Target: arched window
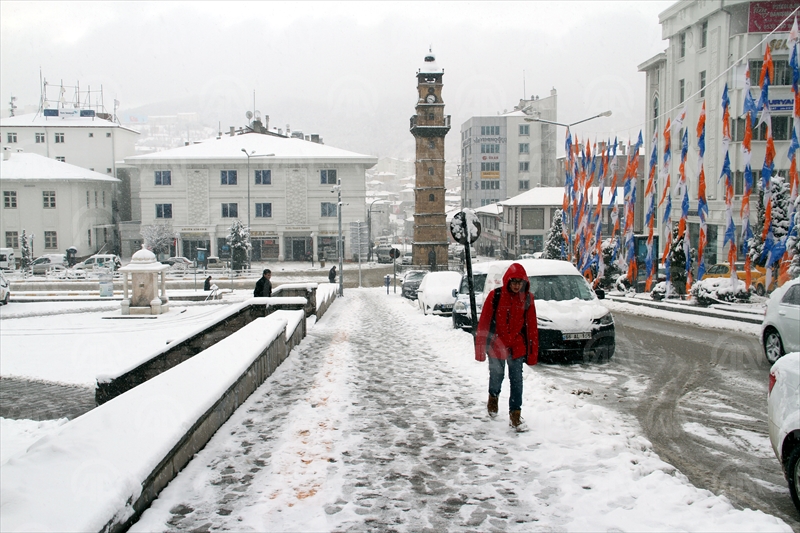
431,197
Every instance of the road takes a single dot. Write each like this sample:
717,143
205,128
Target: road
700,398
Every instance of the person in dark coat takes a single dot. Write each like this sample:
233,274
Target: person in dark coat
207,284
507,333
332,274
264,285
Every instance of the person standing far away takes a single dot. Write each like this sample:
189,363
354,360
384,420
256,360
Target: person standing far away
207,284
264,285
332,274
508,334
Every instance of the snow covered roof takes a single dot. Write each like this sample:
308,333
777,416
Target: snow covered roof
230,148
491,209
39,120
545,196
22,166
430,66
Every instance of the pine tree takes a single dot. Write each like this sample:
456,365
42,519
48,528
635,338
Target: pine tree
677,258
756,245
780,206
239,239
555,239
612,270
793,243
25,249
158,238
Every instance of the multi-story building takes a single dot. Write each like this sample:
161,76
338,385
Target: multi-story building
284,189
58,204
713,43
504,155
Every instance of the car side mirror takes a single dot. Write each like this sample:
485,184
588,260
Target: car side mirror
455,293
601,294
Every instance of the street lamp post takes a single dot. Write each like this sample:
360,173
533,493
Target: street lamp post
369,229
338,188
249,238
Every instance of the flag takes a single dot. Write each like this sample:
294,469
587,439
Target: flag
650,210
730,227
667,195
702,204
747,232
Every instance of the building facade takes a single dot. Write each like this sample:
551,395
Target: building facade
505,155
713,43
284,189
429,126
58,204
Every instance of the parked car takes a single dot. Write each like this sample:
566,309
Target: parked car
435,293
97,261
573,324
723,270
215,263
760,284
462,312
780,330
7,261
48,263
783,413
5,291
411,282
408,258
383,253
178,262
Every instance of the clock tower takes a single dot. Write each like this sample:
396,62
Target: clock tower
429,126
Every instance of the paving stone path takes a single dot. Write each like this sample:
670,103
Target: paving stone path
35,400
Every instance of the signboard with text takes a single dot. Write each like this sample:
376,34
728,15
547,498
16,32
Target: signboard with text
765,17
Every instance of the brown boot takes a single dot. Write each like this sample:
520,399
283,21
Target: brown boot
491,406
516,421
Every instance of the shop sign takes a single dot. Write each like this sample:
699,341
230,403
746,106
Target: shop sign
767,16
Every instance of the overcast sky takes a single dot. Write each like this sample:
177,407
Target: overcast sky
344,70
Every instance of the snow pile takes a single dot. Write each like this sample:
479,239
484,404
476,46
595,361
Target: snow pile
711,290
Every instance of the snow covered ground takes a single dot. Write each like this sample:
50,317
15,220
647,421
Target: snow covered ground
377,420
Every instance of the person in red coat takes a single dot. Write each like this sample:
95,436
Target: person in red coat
507,332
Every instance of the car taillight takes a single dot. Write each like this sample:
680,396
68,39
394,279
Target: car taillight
772,379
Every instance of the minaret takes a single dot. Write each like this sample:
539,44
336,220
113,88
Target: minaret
429,126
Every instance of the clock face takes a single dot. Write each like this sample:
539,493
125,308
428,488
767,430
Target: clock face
431,99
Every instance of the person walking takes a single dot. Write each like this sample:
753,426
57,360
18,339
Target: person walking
207,284
332,274
264,285
508,334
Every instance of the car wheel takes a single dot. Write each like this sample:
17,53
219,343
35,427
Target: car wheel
5,300
760,290
773,346
793,475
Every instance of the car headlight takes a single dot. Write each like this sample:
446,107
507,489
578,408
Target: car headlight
460,307
605,320
543,322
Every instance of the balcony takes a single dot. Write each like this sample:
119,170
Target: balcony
425,127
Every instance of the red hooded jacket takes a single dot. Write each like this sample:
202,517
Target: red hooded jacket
509,336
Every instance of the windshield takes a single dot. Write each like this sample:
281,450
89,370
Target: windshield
478,280
414,276
559,288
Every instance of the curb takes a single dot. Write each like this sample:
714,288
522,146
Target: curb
746,317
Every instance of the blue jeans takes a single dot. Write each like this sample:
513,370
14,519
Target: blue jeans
497,371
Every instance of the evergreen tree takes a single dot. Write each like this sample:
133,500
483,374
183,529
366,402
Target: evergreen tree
555,244
158,238
25,249
612,270
756,245
793,243
780,206
239,239
677,258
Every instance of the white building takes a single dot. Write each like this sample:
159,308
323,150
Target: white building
711,43
59,204
527,217
504,155
285,191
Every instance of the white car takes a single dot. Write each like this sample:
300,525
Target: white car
462,312
100,261
783,407
435,293
5,291
780,330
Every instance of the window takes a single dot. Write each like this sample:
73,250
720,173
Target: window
489,201
490,148
89,236
163,177
230,210
524,166
524,148
702,83
430,171
108,134
104,198
524,185
327,177
165,210
87,198
95,199
431,197
108,171
61,158
524,129
227,177
781,129
50,240
263,210
782,70
682,45
532,218
91,135
704,34
263,177
49,199
490,184
328,209
39,138
490,166
12,239
431,145
490,130
10,199
59,137
681,90
12,137
655,113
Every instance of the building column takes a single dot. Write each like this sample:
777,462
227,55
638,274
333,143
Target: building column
281,247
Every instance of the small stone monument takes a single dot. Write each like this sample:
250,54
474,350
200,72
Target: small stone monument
146,277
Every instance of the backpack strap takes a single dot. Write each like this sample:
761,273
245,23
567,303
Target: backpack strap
525,320
493,323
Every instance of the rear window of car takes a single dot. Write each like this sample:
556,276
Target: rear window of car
414,276
560,288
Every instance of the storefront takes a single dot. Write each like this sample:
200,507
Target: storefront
265,246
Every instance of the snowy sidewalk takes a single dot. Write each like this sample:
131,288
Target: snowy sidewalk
377,422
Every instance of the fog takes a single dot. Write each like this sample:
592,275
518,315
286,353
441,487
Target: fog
344,70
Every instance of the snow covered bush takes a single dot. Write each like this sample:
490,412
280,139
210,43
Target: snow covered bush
711,290
659,291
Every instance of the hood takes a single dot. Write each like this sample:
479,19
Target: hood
516,271
570,316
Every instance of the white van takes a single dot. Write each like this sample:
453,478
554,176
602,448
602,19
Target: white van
7,261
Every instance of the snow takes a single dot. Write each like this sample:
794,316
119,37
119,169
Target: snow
581,467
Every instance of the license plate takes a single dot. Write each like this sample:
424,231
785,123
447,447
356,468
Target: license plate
577,336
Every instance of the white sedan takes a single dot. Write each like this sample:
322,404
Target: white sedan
780,331
435,293
783,408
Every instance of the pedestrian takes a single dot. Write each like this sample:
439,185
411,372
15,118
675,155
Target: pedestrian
207,284
508,333
332,274
264,285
